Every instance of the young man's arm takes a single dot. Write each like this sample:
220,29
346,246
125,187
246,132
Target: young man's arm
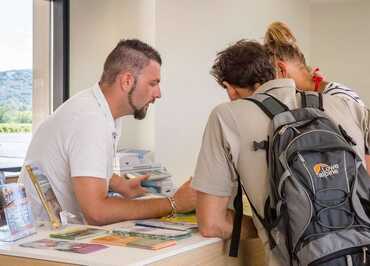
216,220
99,209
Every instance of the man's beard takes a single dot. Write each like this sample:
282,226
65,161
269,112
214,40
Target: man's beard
138,113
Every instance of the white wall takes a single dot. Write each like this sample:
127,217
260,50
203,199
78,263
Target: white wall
340,38
189,33
95,28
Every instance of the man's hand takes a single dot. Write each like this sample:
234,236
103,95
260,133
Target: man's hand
128,188
132,187
185,197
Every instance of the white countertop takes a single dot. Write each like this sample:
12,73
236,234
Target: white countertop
113,255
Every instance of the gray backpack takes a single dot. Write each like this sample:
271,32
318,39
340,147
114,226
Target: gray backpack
318,209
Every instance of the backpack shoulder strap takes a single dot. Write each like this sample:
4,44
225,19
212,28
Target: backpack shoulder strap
238,216
268,104
313,100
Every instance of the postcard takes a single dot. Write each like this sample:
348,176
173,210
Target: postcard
61,245
114,240
151,232
152,244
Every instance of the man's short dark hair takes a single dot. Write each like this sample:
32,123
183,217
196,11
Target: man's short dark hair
129,55
243,64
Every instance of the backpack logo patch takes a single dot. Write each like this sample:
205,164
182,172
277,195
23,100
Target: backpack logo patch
323,170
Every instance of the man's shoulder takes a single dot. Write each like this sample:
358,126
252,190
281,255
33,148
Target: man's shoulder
80,106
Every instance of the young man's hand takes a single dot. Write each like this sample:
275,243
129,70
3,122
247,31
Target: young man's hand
185,197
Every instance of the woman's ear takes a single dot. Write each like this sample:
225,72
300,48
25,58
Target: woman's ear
281,69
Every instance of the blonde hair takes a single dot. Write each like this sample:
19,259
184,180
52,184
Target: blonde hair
281,44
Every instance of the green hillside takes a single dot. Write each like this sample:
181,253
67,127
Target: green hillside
16,96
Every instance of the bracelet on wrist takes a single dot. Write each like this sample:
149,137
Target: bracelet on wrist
173,206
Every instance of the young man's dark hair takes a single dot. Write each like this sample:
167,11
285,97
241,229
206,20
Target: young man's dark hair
243,64
132,55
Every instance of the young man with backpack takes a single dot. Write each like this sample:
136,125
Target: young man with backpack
299,159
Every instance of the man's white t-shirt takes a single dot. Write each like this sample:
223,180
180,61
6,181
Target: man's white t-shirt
78,139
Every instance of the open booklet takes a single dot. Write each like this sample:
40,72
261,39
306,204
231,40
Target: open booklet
45,192
137,242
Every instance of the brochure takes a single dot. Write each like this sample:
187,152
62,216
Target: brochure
45,193
151,232
61,245
76,233
16,220
114,240
158,223
186,218
137,242
152,244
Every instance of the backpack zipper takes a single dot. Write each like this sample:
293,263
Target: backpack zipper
364,250
308,171
348,251
319,130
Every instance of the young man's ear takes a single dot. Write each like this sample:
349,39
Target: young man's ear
231,91
281,69
126,81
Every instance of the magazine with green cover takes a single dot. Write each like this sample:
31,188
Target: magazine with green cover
152,244
76,233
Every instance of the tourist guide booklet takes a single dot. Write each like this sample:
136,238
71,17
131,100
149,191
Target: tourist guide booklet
151,232
76,233
63,245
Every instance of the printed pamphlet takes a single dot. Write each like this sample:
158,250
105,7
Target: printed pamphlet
16,220
76,233
130,241
62,245
114,240
45,193
151,232
152,244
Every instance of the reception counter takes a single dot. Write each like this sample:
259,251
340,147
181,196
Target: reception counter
195,250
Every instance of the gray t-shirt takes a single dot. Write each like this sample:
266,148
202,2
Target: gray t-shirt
231,129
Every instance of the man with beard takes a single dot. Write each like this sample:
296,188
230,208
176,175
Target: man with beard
76,145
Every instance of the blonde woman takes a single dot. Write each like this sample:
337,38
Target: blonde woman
290,62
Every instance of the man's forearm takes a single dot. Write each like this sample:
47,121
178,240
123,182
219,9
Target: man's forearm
223,227
117,209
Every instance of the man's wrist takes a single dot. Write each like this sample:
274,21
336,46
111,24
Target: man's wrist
173,206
